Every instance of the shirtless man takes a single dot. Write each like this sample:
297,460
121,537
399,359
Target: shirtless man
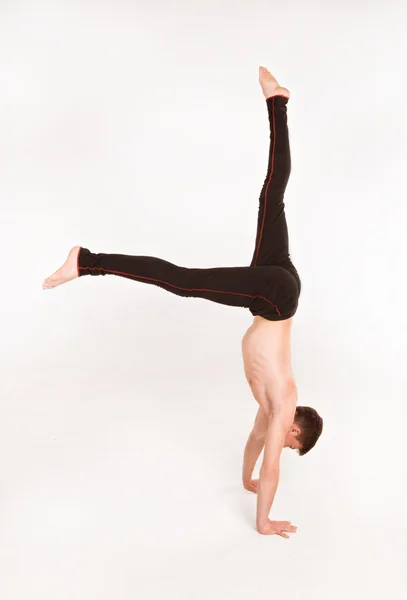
270,288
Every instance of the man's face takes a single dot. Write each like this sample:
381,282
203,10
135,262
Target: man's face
291,439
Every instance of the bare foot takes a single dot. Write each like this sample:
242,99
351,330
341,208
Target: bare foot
67,272
270,85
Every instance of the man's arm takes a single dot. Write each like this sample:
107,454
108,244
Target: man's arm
283,399
253,448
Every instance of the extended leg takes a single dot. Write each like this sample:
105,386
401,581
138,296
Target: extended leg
268,291
233,286
272,235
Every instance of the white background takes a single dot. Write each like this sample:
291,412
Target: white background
140,128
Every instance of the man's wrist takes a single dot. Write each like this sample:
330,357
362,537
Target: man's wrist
262,526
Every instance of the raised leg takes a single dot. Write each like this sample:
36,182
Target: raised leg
267,291
272,247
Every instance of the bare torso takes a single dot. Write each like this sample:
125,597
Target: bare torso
266,349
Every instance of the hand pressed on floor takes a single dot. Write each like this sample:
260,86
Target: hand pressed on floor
277,528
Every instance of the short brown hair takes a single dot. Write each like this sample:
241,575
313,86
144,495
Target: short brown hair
311,425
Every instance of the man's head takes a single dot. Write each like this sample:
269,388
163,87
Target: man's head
305,430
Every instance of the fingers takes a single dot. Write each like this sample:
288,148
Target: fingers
289,529
284,527
281,528
283,524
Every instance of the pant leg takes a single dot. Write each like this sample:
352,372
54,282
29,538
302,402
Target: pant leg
272,234
266,291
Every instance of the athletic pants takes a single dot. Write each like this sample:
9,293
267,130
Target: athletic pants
269,287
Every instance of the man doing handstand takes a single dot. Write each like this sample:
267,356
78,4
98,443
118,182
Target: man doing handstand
270,288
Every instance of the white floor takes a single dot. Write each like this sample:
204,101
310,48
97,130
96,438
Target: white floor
112,487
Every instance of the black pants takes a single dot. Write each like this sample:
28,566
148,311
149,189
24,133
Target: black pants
269,287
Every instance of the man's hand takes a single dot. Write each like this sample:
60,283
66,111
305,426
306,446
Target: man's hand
277,528
252,485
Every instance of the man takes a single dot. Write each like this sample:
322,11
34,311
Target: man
270,289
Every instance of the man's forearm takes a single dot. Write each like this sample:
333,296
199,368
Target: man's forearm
270,469
265,496
282,417
252,451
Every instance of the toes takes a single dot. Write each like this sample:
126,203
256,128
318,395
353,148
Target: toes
48,283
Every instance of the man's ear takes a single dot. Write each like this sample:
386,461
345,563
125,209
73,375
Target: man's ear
295,430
